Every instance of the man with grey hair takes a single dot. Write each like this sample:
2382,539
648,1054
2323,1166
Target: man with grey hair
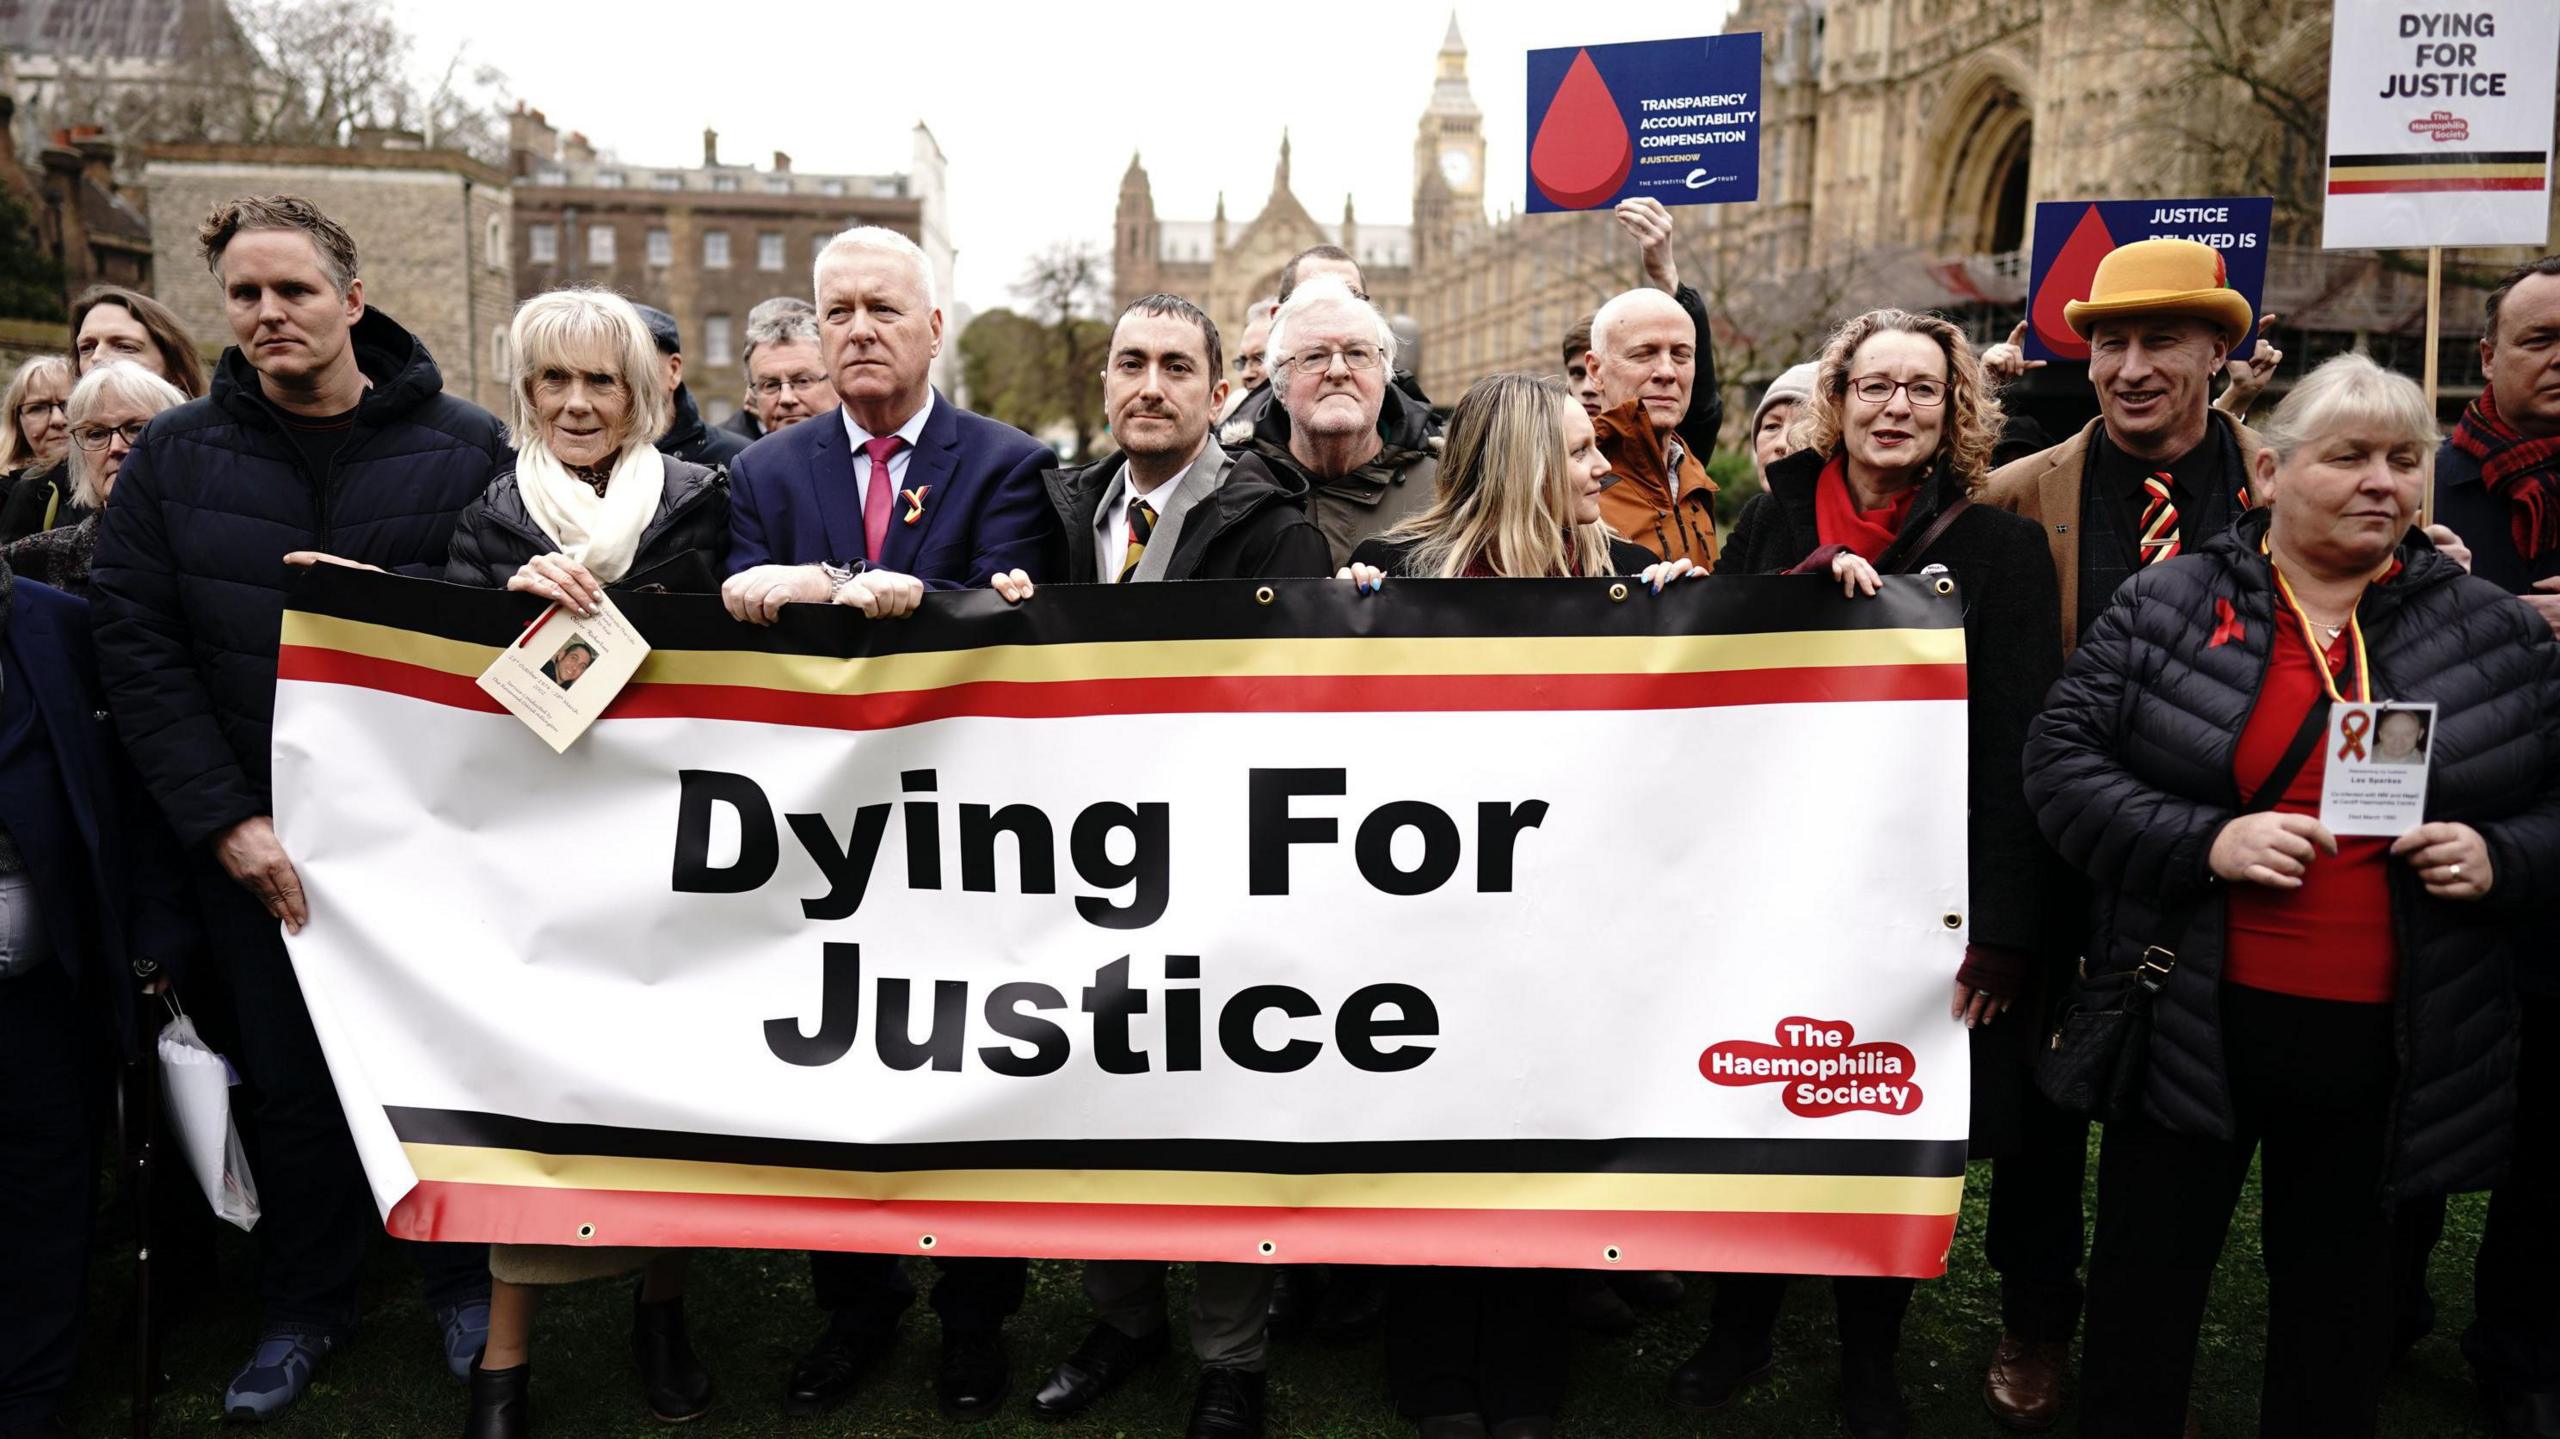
786,373
1644,355
1339,424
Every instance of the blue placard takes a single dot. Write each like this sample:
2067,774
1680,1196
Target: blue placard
2072,236
1674,120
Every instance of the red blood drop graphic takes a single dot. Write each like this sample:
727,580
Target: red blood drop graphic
1583,151
2074,270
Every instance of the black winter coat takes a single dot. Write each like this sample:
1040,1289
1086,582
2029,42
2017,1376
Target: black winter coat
2013,654
683,550
1395,557
41,500
690,439
1253,526
190,575
2130,771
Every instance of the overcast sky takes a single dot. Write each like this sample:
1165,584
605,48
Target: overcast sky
1038,105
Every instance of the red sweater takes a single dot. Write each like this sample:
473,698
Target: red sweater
2330,939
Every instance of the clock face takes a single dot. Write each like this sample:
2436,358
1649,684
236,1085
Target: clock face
1458,167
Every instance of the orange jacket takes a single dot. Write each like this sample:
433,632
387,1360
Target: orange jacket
1672,513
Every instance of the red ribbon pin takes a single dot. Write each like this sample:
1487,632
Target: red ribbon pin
2229,629
2351,732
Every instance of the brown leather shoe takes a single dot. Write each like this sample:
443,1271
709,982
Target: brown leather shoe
2023,1388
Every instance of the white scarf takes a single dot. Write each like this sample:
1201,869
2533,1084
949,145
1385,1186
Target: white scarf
601,532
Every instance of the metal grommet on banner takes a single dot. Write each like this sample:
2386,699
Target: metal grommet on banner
1262,596
1611,1254
1944,585
924,1241
1617,592
1951,920
586,1231
1268,1248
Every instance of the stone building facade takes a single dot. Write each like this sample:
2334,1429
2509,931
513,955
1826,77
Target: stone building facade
707,243
431,228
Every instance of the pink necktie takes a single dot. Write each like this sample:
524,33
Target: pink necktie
876,494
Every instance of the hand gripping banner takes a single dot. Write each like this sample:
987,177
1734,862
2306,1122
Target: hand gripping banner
1479,922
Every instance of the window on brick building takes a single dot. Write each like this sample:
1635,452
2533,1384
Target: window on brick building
551,175
832,189
600,244
715,340
662,248
715,249
542,244
666,181
493,243
768,252
498,355
725,184
609,179
777,184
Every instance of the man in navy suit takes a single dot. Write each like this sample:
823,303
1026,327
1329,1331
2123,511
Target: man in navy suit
811,518
898,492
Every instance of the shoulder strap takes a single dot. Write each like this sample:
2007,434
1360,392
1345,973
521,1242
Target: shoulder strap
1920,549
2315,725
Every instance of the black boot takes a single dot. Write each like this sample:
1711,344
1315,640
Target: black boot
672,1382
501,1403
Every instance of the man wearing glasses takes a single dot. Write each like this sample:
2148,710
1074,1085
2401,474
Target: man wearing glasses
1332,356
786,376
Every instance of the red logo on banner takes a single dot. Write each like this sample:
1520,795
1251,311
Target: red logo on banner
2442,126
1819,1070
1583,151
2074,271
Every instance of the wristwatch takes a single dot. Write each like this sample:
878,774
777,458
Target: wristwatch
840,575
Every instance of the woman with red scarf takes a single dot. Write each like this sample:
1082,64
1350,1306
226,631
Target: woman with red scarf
1898,435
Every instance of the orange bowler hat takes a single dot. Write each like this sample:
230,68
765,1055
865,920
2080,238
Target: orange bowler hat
2162,277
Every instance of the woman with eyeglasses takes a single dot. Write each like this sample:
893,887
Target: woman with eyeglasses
106,413
1899,435
33,437
109,324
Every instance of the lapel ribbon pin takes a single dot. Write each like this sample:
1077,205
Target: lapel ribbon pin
915,502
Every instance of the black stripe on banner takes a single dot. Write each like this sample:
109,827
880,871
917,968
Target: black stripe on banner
2438,157
1188,610
1928,1159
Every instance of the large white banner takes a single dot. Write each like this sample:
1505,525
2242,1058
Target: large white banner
1474,922
2440,117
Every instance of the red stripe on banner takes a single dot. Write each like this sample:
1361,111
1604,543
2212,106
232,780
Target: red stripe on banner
1913,1245
2449,185
1182,694
340,667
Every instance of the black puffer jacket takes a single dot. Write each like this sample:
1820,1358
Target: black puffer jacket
1251,527
2130,771
190,576
683,550
691,439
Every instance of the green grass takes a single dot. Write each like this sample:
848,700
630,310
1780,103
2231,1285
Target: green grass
750,1314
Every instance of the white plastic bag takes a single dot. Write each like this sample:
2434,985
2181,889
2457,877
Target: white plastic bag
197,1084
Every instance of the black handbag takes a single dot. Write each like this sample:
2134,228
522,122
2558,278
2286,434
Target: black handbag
2101,1045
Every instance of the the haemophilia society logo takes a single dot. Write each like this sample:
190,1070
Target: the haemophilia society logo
1820,1069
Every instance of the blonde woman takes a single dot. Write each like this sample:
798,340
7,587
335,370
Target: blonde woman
589,504
106,414
1898,433
33,433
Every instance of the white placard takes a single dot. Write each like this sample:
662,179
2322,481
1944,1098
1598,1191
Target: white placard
2376,779
2440,123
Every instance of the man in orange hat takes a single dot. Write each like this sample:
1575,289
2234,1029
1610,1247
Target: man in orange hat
2155,473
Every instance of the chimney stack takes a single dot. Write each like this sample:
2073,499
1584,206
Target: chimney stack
781,163
710,147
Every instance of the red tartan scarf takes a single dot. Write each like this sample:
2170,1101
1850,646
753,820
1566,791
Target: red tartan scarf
2525,473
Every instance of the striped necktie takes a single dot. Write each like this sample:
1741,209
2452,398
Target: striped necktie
2159,539
1142,525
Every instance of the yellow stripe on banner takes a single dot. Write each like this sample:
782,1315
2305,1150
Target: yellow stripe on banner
2439,172
1675,1193
1173,659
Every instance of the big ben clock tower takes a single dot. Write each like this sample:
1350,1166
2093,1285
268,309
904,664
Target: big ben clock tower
1450,140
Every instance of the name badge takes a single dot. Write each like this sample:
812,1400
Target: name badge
563,670
2376,780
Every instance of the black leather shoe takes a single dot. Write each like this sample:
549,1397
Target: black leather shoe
973,1377
1102,1363
1227,1405
672,1381
1294,1292
1871,1404
1354,1304
1649,1289
1714,1376
501,1403
834,1367
2524,1415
